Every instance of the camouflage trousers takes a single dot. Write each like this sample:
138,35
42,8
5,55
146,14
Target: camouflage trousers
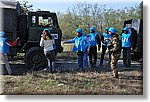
114,60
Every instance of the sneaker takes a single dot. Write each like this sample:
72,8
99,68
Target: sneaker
109,62
45,70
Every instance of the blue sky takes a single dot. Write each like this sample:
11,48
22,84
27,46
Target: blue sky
62,5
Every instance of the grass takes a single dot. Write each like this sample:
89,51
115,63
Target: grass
92,83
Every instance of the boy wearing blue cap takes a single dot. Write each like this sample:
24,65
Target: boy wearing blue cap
4,50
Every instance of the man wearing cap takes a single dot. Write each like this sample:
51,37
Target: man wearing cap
105,38
126,46
82,46
94,40
115,50
4,50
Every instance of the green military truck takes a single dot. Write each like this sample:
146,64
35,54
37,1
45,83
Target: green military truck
136,29
29,28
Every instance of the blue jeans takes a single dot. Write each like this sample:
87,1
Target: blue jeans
85,60
80,61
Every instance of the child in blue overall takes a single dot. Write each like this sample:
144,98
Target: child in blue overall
82,45
94,40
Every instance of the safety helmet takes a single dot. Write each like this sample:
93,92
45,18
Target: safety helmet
126,28
2,33
79,30
92,29
107,28
47,30
112,30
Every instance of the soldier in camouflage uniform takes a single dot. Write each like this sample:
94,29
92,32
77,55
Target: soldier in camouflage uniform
115,50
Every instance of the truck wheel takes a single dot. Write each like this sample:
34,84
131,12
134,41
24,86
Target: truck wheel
35,59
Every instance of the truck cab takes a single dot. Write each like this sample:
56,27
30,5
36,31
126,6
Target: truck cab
32,25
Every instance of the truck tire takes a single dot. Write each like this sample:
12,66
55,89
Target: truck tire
35,59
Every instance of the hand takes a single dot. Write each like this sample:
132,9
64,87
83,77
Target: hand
64,42
17,39
131,48
104,42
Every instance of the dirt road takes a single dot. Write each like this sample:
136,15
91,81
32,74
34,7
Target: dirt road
18,66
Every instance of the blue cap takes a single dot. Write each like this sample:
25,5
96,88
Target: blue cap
79,30
47,30
112,30
92,29
2,33
107,28
126,28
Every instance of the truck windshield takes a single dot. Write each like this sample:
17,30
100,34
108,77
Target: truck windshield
45,21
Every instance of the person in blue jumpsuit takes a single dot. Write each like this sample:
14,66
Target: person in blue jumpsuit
82,46
94,39
105,39
126,46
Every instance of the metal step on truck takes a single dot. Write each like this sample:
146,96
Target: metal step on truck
29,28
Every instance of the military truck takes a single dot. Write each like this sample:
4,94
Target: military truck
29,28
136,29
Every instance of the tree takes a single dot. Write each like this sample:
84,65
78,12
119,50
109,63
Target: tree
85,15
25,7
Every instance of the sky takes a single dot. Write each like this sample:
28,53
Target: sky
62,5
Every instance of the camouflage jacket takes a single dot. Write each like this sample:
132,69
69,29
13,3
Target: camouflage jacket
114,45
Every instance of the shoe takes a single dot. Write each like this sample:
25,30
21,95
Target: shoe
116,76
91,66
109,62
94,65
125,65
45,69
100,64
